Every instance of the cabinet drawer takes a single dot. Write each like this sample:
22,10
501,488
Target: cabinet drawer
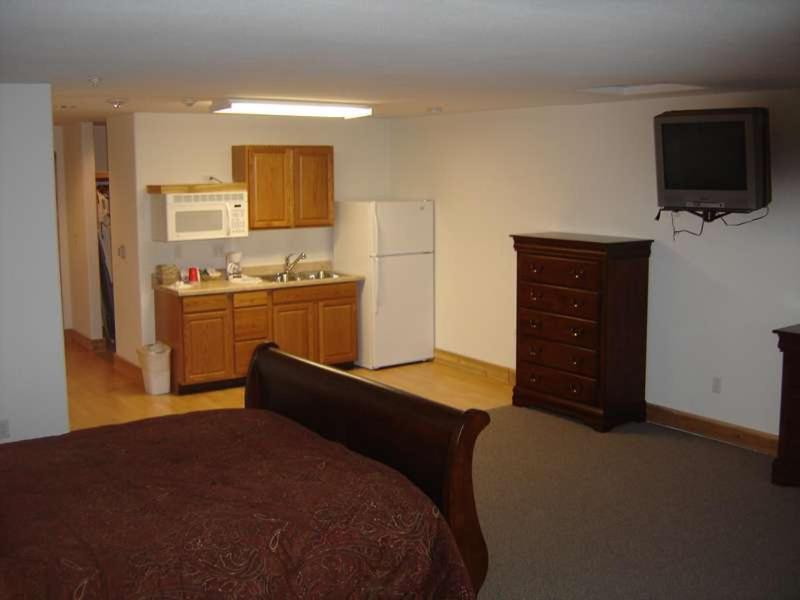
558,328
568,272
575,303
314,292
259,298
195,304
559,356
557,383
251,323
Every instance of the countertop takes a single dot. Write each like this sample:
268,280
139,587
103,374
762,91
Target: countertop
226,287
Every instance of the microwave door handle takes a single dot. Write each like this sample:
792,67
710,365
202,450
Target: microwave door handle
228,217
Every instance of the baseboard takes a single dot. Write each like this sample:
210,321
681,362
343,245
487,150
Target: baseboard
127,369
76,337
752,439
475,366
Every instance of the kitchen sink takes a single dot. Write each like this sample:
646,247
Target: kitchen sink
303,276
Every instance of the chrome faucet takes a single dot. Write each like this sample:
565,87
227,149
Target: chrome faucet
289,264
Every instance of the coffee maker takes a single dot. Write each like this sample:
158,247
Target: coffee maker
233,265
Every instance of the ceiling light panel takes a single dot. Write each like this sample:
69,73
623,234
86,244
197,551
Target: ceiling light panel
291,109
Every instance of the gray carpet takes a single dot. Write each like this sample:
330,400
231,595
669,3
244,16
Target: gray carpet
639,512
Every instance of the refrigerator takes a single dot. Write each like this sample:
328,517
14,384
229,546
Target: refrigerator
390,243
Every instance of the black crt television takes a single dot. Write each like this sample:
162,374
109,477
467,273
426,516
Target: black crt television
713,161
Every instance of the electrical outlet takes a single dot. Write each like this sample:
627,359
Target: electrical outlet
5,431
716,385
219,250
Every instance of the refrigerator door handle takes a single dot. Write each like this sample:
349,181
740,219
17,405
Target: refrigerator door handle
375,231
376,278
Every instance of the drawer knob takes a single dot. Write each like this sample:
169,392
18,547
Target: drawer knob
533,351
575,332
578,273
575,388
535,296
533,379
534,324
536,268
576,304
575,362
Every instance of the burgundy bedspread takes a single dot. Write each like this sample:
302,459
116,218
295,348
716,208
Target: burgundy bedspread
218,504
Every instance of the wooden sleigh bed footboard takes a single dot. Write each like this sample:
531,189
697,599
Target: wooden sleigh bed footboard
431,444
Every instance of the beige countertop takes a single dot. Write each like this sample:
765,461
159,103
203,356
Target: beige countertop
223,286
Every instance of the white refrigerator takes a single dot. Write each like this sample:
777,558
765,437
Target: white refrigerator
390,242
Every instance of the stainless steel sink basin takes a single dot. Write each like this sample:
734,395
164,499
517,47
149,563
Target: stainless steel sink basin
303,276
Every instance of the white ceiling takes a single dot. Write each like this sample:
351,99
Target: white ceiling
401,56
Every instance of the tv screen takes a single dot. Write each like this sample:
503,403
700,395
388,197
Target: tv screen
704,156
713,159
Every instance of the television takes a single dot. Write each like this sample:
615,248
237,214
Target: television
713,162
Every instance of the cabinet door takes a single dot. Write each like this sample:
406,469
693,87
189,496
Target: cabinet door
313,186
294,329
270,189
207,346
337,331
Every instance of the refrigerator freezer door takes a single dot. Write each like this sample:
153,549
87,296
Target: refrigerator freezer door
403,309
403,227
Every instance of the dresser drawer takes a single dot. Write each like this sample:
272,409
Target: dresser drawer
559,356
558,328
557,383
570,302
251,323
257,298
568,272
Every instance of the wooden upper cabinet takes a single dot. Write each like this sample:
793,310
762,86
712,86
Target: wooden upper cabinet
288,186
313,169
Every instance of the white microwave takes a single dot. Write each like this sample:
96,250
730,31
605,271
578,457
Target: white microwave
199,216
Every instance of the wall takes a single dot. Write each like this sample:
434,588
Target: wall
33,395
63,231
100,148
84,264
124,235
714,300
175,148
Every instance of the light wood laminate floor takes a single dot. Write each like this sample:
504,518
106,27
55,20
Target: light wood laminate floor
101,395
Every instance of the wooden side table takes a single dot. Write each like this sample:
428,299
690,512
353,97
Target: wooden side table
786,467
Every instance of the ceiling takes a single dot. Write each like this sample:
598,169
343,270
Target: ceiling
404,57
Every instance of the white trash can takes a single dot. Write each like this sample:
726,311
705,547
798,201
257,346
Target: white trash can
154,360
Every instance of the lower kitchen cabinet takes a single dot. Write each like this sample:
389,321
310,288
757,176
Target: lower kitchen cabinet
294,328
213,336
207,346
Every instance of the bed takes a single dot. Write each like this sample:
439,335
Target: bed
325,486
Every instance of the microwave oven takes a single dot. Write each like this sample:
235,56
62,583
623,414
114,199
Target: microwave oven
199,216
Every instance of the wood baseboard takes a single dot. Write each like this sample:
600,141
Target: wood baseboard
475,366
752,439
81,340
127,369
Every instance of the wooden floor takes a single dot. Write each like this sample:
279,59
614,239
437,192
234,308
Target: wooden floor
100,395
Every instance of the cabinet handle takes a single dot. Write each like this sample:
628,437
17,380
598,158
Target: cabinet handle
575,388
576,304
534,324
575,332
578,273
575,362
534,268
534,296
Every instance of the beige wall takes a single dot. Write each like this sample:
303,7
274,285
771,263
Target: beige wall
713,300
84,269
175,148
33,395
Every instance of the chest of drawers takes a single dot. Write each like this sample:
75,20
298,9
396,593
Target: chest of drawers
582,326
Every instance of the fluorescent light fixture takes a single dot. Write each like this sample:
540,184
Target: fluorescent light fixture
291,109
644,89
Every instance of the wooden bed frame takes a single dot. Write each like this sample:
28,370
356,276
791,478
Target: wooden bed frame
431,444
